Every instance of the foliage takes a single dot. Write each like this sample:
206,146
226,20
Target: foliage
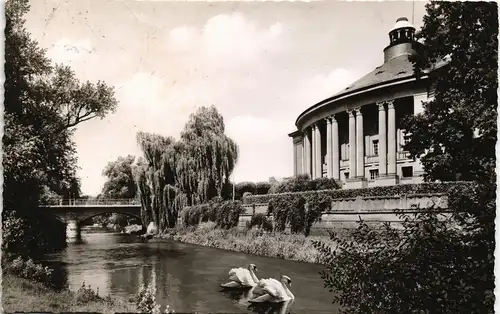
315,205
225,214
146,300
262,188
438,263
42,105
244,187
31,232
299,211
228,214
191,171
377,191
86,295
261,221
302,183
455,135
120,183
294,247
28,270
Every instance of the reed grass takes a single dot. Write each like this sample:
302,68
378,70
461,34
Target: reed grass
23,295
293,247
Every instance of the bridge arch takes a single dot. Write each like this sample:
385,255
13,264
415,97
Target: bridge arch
91,215
73,214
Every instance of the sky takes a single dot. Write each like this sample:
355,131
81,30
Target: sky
260,63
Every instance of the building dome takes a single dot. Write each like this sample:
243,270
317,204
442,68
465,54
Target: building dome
402,22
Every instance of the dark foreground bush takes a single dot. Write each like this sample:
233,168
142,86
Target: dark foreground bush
28,269
436,264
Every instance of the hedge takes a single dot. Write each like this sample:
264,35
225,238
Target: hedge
303,183
225,214
394,190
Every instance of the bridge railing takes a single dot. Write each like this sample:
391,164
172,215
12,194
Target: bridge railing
82,201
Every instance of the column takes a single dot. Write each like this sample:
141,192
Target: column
335,149
319,165
313,152
307,159
391,138
352,144
360,143
329,160
295,172
382,141
73,231
304,153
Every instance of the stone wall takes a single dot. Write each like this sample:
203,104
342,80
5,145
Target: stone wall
345,212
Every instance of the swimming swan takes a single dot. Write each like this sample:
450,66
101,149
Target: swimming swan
272,290
242,278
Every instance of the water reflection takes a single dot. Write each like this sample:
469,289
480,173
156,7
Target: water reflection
186,277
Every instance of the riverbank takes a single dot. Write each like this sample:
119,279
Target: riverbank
22,295
292,247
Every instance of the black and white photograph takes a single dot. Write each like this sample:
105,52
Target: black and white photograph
249,156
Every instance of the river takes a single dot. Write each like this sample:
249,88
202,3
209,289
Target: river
187,277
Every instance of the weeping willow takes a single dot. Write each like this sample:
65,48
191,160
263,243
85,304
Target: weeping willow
191,171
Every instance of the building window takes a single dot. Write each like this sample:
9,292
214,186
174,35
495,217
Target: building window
375,148
373,174
407,172
346,174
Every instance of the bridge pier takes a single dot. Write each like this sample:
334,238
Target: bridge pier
73,231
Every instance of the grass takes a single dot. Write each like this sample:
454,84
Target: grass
23,295
293,247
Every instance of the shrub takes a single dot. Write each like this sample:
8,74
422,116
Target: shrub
247,194
86,295
224,213
30,270
288,209
145,300
262,188
407,189
436,264
31,232
261,221
323,184
228,214
243,187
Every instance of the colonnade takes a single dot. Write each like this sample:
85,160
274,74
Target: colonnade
312,161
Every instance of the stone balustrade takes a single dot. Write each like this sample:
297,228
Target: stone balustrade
345,212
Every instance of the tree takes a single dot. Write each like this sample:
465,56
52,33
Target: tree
190,171
207,156
455,135
42,105
120,183
434,264
437,263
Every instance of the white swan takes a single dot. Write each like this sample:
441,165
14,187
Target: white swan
272,290
242,278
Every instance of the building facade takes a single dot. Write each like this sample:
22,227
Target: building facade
357,136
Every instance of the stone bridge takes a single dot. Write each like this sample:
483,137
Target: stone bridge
74,212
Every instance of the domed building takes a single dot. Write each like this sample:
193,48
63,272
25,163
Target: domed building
356,136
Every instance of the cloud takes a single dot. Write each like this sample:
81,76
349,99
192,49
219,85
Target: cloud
225,41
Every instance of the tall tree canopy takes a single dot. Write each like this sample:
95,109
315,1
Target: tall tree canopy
456,133
42,105
190,171
120,183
